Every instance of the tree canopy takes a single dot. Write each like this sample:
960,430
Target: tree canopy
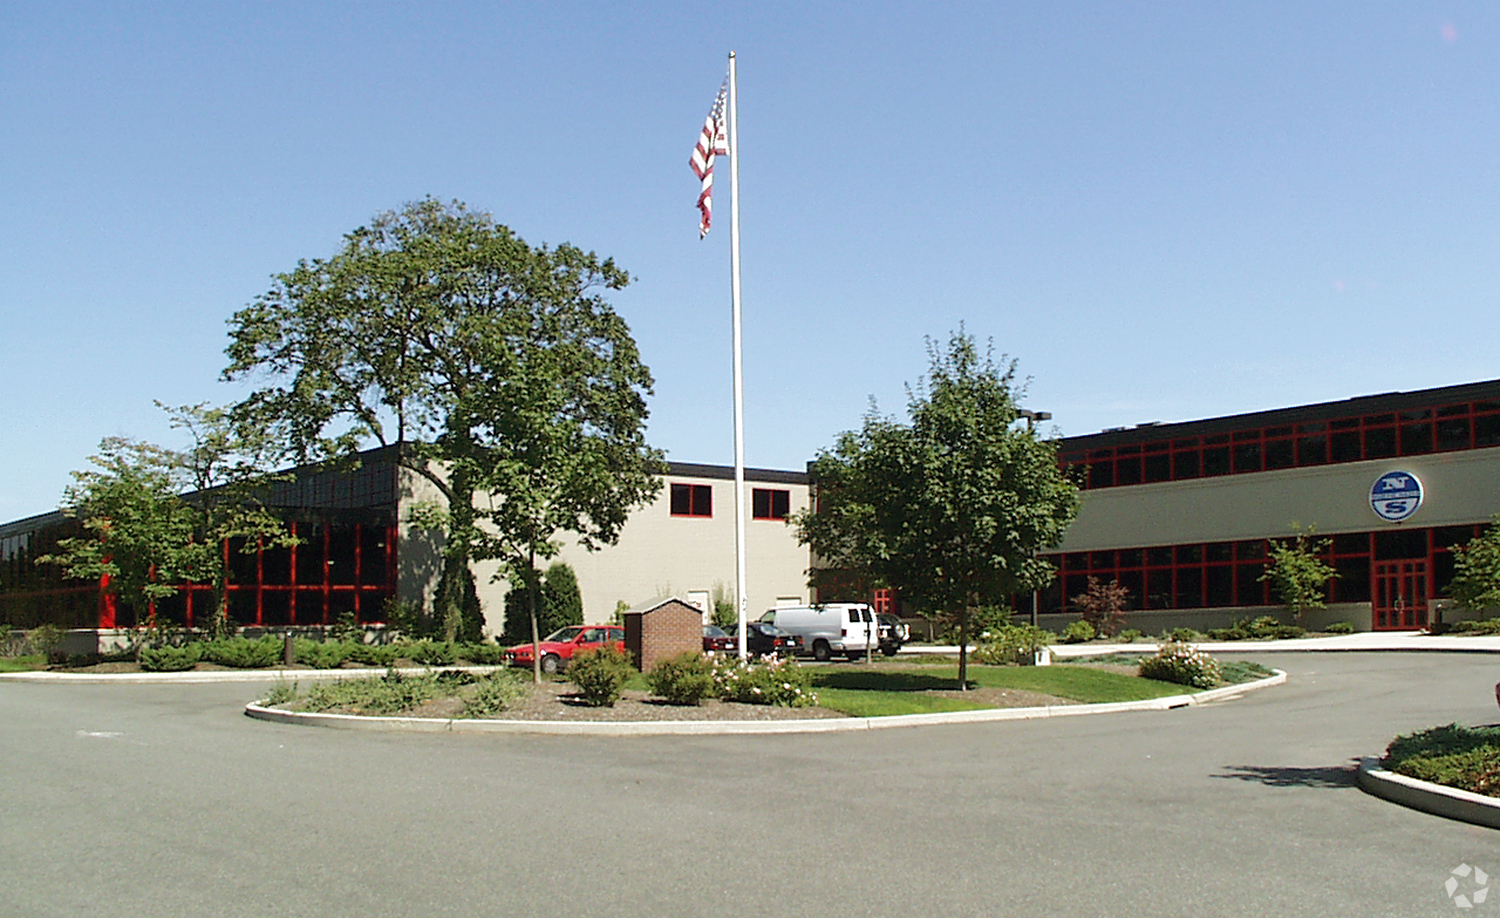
951,507
510,382
160,517
1476,570
1297,574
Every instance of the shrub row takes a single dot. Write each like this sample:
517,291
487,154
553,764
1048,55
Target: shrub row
244,653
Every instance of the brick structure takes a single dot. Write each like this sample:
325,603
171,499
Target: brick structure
661,629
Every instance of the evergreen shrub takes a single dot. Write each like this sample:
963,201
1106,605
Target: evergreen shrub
169,659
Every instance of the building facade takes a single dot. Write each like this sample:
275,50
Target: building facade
359,550
1182,514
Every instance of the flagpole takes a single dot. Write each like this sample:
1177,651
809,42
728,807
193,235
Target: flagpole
739,382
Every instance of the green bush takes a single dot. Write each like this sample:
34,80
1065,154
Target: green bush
1130,636
1078,632
482,654
391,693
43,639
1263,628
242,653
169,659
600,675
1010,644
1340,628
494,693
1181,635
430,653
282,692
329,655
1486,626
687,678
766,681
374,654
1182,664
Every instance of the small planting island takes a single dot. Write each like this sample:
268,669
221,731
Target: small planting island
881,688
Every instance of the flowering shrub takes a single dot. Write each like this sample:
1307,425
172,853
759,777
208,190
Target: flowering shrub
770,680
600,675
1011,644
1183,664
687,678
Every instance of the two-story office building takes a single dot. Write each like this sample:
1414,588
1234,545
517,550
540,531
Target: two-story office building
1181,514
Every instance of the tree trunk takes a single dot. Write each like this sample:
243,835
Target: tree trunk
453,580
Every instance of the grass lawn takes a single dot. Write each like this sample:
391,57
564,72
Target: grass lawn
22,664
880,690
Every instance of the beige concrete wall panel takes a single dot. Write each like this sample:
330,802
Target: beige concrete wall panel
1458,487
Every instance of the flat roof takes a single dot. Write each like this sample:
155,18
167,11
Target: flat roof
1277,417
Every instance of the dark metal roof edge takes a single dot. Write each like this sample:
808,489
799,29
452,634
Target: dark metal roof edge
724,472
1320,411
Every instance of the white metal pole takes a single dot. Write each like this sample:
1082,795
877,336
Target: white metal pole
739,383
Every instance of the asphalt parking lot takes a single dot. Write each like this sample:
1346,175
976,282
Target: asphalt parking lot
162,800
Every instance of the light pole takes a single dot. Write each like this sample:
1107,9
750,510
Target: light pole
1031,418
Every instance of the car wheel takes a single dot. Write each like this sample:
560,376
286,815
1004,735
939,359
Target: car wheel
551,664
821,653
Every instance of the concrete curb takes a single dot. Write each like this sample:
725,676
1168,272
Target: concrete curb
1448,802
730,727
234,675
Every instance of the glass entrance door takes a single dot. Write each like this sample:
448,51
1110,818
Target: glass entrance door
1399,595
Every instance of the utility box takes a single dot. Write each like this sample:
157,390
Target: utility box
661,629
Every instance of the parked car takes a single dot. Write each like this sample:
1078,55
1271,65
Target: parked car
716,640
559,647
893,633
835,628
762,639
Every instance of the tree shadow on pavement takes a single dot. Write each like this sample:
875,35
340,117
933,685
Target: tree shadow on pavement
1282,776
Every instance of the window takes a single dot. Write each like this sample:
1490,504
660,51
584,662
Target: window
692,500
769,504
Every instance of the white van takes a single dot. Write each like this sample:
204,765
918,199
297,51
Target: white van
836,628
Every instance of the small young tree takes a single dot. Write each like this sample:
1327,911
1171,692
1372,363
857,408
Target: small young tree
1476,571
1103,606
952,508
140,542
1298,576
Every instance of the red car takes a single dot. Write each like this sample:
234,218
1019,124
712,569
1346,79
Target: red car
716,640
558,647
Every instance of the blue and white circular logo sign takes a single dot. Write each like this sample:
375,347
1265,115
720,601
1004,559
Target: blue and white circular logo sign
1395,496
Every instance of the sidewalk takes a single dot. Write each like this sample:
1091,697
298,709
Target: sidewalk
1363,641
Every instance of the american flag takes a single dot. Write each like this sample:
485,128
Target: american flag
714,141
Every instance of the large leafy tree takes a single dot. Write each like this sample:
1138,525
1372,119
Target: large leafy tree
501,370
950,507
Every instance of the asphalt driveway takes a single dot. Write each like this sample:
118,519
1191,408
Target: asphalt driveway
166,801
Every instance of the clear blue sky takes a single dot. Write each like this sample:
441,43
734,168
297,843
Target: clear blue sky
1165,211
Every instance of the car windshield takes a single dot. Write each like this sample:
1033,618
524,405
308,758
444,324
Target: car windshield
563,635
713,631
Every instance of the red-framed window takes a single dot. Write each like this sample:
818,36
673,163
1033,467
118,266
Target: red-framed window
770,503
1413,432
1219,574
692,500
